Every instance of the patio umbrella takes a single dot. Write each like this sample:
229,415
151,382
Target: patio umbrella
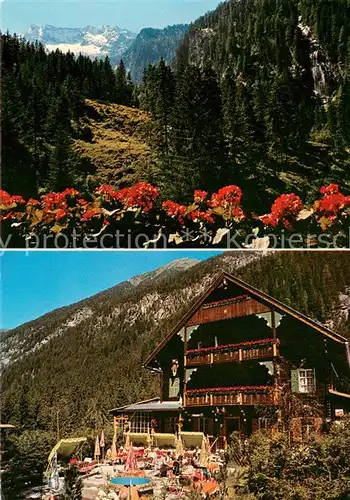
114,449
114,442
131,461
132,483
102,444
127,441
207,445
204,455
179,446
149,438
97,451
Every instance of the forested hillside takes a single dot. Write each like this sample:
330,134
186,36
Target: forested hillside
43,106
260,98
151,45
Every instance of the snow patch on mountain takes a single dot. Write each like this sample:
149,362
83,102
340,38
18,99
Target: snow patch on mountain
85,50
93,41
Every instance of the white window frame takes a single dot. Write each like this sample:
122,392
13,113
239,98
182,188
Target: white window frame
141,422
307,380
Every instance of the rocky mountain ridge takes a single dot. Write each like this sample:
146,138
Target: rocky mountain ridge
32,336
93,41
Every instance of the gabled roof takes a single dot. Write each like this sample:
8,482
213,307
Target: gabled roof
254,292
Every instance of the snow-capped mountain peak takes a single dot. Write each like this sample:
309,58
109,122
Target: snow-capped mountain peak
93,41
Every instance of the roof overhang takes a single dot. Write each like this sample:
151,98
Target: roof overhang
274,303
152,405
338,393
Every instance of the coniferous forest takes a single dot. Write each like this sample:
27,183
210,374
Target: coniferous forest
258,95
42,101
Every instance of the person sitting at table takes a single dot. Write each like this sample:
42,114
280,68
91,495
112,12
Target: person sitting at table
176,467
163,469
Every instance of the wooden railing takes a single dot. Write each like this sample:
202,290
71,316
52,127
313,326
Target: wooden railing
260,349
250,395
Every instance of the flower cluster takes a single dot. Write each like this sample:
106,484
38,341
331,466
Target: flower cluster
249,343
8,204
107,192
226,197
199,196
142,195
200,216
283,211
232,389
332,203
173,209
8,201
226,202
205,221
90,213
56,204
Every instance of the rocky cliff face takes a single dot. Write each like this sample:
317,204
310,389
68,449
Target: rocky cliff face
150,46
144,296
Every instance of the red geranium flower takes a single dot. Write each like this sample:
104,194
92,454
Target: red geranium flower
90,213
199,196
60,214
226,197
174,209
33,202
331,189
332,203
284,208
198,216
141,195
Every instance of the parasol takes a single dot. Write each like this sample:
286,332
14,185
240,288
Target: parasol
127,441
132,482
97,451
179,446
131,462
204,454
102,444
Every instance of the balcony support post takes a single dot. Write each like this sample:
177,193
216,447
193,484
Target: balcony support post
185,370
276,368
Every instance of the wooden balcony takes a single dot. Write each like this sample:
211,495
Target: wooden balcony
232,396
260,349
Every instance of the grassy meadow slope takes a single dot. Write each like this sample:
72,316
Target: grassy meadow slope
112,137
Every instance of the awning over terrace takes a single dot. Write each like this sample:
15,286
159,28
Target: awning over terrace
66,447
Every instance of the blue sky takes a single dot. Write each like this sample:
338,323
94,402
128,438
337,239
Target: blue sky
133,15
36,282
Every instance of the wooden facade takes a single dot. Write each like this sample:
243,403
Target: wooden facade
242,305
239,357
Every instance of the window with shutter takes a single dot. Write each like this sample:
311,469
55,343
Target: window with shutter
174,387
307,381
294,378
